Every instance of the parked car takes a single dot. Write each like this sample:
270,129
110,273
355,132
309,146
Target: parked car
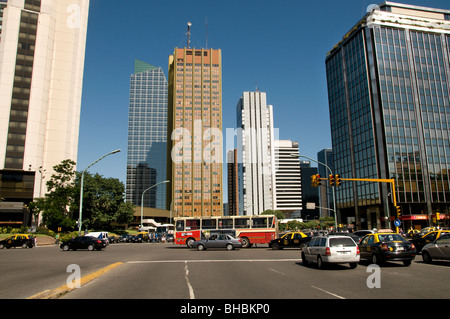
421,241
83,242
169,238
290,240
439,249
218,241
17,240
381,247
125,238
334,249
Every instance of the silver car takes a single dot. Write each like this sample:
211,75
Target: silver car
439,249
334,249
218,241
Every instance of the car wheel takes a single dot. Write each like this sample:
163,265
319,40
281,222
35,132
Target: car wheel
200,247
24,246
320,263
230,247
426,257
353,265
304,261
407,263
189,242
275,246
245,242
91,247
66,247
2,246
375,259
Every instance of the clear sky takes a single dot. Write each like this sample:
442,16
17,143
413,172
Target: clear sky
278,47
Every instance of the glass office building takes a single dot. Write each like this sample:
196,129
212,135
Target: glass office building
147,136
388,87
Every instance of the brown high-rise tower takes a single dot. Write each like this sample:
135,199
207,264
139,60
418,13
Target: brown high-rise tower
195,132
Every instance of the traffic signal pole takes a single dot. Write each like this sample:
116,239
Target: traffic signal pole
380,180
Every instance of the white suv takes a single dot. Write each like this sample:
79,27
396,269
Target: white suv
331,249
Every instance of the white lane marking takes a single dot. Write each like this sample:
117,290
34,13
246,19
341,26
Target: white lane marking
186,276
278,272
327,292
207,261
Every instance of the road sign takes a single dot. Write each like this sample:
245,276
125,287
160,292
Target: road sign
397,223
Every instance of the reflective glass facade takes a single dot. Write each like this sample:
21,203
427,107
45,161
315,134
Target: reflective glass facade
389,107
147,136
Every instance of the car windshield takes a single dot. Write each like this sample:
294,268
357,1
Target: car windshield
343,242
390,237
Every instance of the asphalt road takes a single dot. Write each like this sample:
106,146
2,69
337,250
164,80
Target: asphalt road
167,271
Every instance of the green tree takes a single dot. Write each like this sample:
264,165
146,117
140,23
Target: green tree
103,202
279,214
56,205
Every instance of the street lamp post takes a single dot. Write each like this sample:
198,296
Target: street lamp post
142,200
81,192
334,194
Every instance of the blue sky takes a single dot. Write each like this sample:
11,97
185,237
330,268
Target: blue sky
277,46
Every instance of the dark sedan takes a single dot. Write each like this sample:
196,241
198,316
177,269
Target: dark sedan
218,241
381,247
83,242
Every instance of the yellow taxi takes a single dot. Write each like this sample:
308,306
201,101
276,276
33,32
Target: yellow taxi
17,240
421,240
387,246
294,239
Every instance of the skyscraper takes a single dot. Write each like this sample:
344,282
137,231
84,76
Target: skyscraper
195,132
233,186
388,87
42,51
288,187
255,145
147,136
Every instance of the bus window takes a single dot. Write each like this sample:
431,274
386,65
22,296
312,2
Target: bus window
259,222
225,223
209,224
241,223
180,225
192,224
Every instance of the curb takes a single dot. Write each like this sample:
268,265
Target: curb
58,292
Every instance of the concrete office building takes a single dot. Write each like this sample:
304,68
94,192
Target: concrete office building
42,49
195,155
288,187
147,136
388,86
233,186
255,145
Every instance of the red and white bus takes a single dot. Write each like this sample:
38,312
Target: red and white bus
257,229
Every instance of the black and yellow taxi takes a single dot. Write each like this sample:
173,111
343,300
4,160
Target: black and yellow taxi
421,241
294,239
387,246
17,240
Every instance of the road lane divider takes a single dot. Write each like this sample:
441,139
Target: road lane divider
57,292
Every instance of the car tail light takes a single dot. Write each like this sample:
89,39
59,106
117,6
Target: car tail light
357,250
384,247
412,246
328,252
98,241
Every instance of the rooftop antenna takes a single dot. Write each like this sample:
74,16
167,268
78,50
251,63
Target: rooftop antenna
189,24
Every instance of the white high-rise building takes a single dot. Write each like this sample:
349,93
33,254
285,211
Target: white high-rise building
288,185
42,51
255,153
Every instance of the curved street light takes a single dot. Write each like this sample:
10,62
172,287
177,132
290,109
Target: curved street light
81,192
142,199
334,194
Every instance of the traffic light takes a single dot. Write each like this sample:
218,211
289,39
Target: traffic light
315,180
331,180
399,211
337,180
